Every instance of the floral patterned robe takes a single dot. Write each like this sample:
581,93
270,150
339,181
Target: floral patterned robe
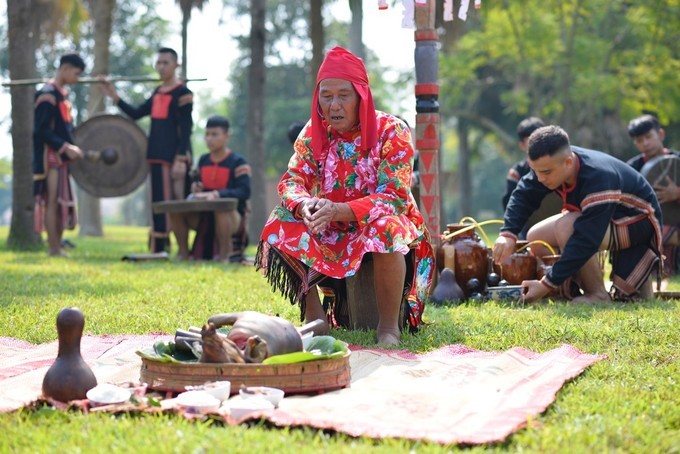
376,186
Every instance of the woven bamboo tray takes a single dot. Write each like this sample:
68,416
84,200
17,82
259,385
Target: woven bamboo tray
312,376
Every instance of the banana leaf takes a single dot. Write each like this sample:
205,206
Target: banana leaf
318,347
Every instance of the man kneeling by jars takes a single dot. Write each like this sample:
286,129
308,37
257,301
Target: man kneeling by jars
607,205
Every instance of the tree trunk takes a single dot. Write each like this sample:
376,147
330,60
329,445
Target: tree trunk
186,16
22,35
464,168
256,83
356,38
317,37
90,216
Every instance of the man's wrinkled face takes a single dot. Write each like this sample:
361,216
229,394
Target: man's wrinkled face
339,103
553,171
166,65
650,143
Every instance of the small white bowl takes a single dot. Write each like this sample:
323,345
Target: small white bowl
273,395
138,389
198,401
108,394
240,408
218,389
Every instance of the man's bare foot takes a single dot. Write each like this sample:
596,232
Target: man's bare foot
602,297
59,253
181,258
388,338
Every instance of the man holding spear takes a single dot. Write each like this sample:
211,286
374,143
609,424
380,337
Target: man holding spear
169,147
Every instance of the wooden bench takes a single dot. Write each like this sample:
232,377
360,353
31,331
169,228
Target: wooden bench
191,206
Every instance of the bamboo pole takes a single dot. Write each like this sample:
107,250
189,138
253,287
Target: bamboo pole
93,80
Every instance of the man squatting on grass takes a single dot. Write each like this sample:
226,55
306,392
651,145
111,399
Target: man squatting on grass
606,205
53,150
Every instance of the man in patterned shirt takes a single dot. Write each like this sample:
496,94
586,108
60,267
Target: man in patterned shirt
347,193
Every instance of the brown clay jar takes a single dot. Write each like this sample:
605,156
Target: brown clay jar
69,377
520,266
544,268
470,257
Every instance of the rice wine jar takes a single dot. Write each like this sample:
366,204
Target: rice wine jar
520,266
470,257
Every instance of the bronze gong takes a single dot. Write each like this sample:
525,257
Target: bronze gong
655,171
115,156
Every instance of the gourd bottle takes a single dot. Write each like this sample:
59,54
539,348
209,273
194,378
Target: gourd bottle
69,377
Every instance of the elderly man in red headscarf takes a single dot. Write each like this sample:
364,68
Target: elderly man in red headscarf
347,193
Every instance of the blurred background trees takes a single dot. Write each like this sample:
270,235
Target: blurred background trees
589,66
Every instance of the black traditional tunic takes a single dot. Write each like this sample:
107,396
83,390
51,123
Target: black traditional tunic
671,254
169,138
52,133
607,191
52,127
231,178
515,174
171,123
637,162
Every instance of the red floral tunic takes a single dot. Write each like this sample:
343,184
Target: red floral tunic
376,186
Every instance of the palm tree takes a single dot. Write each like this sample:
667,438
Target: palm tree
256,84
316,33
356,38
22,28
187,6
27,20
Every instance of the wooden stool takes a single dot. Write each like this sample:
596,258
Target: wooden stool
361,301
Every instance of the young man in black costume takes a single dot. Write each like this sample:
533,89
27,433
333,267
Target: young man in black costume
169,147
53,149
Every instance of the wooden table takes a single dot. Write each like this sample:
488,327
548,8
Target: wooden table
192,206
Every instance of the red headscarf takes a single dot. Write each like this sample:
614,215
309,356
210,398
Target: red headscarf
342,64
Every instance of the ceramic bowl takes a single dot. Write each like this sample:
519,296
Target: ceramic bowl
240,408
273,395
508,292
218,389
108,394
198,401
137,389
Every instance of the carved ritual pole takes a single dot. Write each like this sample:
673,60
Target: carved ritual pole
427,114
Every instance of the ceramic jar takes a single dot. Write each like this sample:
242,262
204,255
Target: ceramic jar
544,268
469,256
520,266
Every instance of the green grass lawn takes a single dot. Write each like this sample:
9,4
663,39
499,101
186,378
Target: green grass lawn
629,402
